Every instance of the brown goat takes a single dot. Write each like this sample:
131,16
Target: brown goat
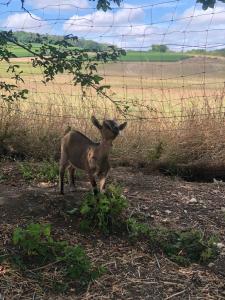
78,151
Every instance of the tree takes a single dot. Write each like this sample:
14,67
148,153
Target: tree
160,48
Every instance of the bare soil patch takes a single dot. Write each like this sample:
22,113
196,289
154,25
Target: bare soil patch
185,67
195,172
132,271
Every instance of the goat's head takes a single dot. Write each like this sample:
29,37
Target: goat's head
109,128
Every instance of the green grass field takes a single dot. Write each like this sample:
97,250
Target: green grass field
25,67
20,52
143,56
132,56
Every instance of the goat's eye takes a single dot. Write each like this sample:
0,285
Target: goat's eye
115,130
107,125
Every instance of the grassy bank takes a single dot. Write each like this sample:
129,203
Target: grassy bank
130,56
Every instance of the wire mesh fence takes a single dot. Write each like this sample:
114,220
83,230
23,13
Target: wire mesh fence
173,94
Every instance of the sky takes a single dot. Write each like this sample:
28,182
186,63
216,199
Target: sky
180,24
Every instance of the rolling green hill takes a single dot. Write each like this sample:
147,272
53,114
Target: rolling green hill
131,56
145,56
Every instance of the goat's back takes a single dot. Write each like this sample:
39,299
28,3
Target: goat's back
75,145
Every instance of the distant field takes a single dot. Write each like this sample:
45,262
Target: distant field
20,52
132,56
143,56
162,85
166,95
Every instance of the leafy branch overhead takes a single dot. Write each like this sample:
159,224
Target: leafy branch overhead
10,92
101,4
208,3
56,58
106,4
81,63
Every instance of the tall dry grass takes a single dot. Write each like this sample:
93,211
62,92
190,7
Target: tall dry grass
176,121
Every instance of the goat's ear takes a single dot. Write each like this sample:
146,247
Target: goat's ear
122,126
96,122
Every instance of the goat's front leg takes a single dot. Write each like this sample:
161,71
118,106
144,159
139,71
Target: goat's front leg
93,183
102,182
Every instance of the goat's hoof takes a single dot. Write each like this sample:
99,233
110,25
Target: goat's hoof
96,192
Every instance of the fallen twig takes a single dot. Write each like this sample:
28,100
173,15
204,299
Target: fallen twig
176,294
46,266
157,261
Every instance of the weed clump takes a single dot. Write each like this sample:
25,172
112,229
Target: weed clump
183,247
36,246
104,211
46,171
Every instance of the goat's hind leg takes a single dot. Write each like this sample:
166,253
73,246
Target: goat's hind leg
62,167
71,171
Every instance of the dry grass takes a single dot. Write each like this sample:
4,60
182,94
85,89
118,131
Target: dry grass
179,106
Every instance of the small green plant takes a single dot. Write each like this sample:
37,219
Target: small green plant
103,211
48,171
45,171
137,229
3,255
3,177
36,241
35,245
26,171
182,247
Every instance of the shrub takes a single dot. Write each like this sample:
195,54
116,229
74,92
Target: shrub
103,211
182,247
26,171
35,245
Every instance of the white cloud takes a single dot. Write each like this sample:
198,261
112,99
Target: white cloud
59,4
25,22
103,23
126,27
199,28
192,28
202,19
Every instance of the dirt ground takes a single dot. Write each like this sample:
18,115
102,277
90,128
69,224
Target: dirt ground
132,272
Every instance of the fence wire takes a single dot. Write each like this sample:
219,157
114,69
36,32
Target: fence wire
153,89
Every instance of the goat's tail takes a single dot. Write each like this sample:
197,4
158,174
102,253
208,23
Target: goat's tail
68,129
